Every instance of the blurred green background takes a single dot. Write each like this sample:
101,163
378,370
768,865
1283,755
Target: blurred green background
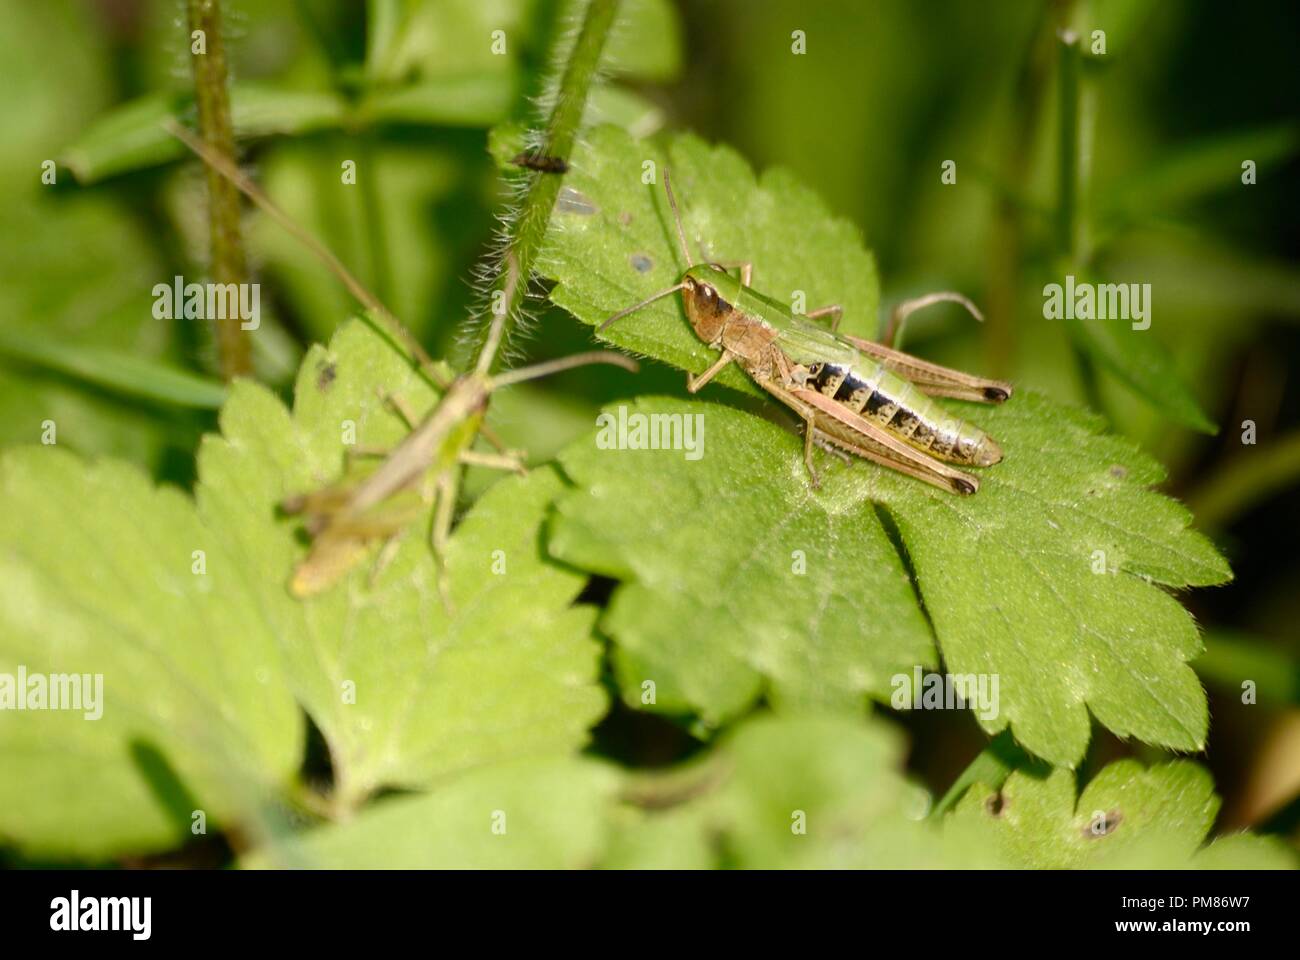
885,93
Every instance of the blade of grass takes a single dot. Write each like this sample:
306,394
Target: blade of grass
122,373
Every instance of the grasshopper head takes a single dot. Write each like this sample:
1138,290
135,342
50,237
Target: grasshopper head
709,294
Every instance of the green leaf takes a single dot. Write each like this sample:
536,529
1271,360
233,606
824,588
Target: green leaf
1006,576
122,372
612,242
202,670
131,136
535,814
776,793
1234,658
435,40
474,99
646,41
712,610
79,270
512,672
1194,170
96,578
388,240
1128,816
812,792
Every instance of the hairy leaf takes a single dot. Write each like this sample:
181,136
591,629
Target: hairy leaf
96,578
540,813
182,608
1047,580
1128,816
612,242
739,577
774,793
811,792
131,136
511,671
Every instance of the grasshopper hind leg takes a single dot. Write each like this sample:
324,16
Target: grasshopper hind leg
953,481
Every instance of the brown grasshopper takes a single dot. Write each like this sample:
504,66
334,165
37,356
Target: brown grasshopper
853,395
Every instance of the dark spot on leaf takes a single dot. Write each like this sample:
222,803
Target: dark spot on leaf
641,263
625,218
326,372
996,805
1118,472
1103,825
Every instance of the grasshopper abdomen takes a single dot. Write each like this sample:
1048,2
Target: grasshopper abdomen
873,392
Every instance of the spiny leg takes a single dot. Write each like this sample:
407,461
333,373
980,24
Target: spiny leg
358,450
694,384
834,310
932,379
746,269
908,307
808,414
399,407
902,456
962,483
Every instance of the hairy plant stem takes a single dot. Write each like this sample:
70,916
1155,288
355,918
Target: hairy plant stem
228,265
508,290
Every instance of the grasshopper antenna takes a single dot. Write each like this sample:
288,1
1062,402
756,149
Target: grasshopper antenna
677,219
222,164
539,370
686,252
637,306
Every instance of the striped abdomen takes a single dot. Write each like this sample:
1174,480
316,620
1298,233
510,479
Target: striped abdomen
889,401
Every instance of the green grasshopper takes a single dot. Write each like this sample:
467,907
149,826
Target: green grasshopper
345,519
854,395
